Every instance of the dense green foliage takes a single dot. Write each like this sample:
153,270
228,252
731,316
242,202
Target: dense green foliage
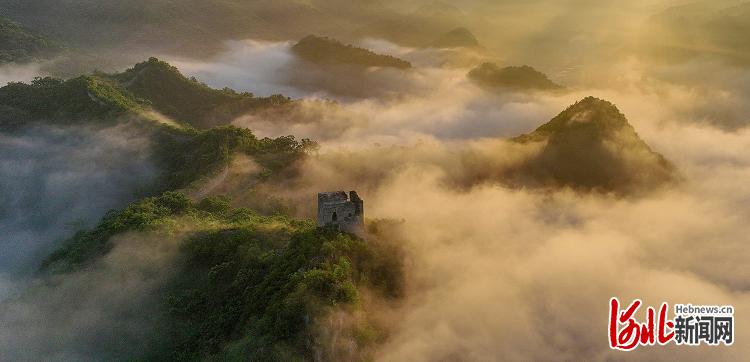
244,283
184,154
20,45
147,214
191,154
250,287
82,98
605,119
151,84
328,51
523,77
188,100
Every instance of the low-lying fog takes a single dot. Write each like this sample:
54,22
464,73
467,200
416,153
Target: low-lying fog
517,274
520,273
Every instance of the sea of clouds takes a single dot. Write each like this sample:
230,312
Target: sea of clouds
493,272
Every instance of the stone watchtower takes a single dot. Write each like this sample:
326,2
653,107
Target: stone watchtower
338,209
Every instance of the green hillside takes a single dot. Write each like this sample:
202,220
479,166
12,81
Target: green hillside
188,100
327,51
81,98
18,44
183,153
188,155
249,286
153,84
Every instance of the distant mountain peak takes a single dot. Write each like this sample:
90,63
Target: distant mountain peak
597,117
588,112
511,77
150,85
186,99
327,51
456,38
592,146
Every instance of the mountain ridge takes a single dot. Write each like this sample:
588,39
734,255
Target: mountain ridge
149,85
524,77
188,100
591,146
19,44
327,51
457,38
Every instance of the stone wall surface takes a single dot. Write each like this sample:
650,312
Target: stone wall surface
341,210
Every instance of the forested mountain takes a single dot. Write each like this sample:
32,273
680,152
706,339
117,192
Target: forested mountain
512,77
184,153
247,286
152,84
188,100
252,286
83,98
326,51
18,44
591,146
167,212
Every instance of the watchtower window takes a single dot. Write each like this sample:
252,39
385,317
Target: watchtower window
334,217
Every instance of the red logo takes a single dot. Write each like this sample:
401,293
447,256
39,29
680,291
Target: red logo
625,333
